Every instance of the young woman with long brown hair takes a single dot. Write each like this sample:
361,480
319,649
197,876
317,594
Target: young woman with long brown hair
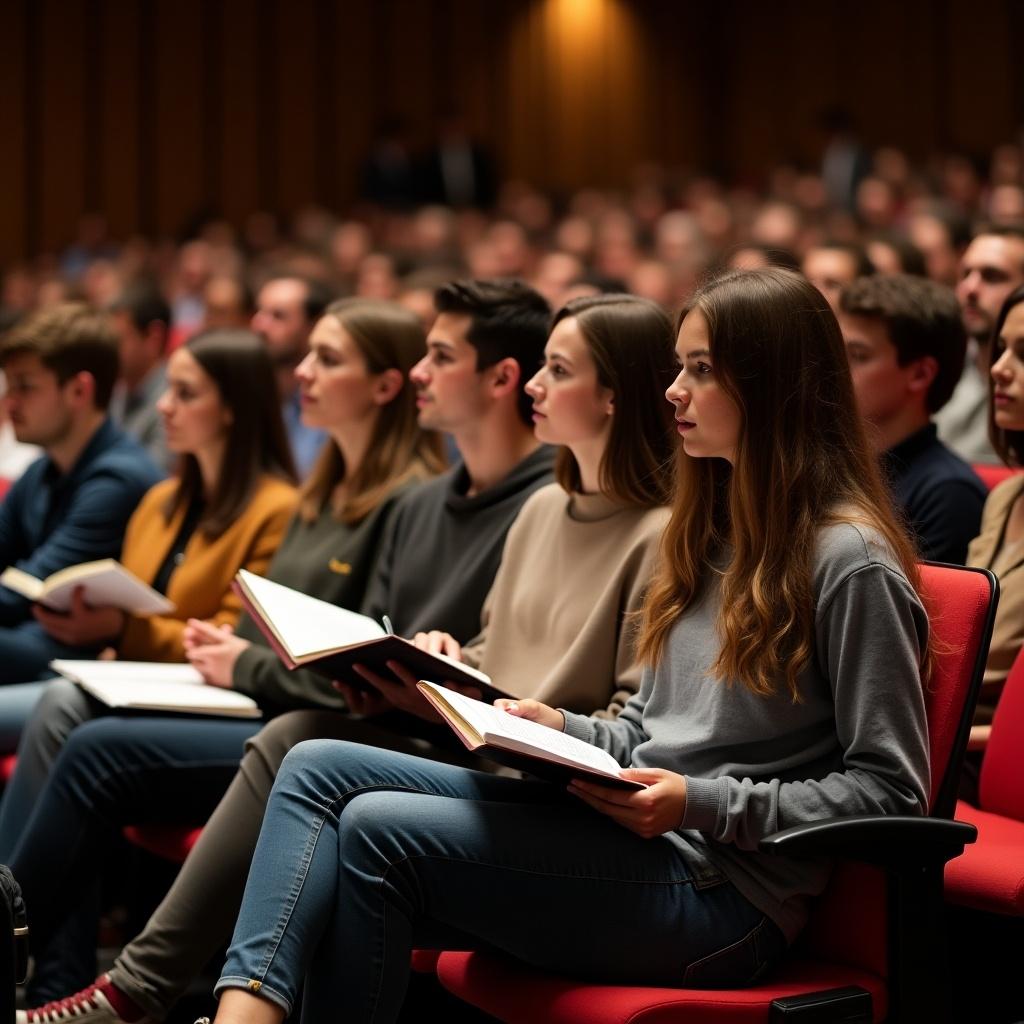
783,641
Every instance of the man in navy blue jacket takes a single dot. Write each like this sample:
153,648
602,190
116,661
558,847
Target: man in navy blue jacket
72,504
906,343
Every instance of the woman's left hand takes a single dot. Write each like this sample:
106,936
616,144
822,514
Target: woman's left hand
647,812
80,625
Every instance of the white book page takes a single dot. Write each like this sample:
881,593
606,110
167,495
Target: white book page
496,724
134,684
108,585
307,626
128,671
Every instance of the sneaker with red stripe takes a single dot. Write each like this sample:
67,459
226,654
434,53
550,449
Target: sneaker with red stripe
101,1003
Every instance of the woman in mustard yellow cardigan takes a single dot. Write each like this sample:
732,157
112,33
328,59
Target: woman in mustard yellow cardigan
226,509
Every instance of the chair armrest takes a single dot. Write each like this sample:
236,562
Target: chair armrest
890,841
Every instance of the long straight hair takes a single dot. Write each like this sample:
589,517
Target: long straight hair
802,461
239,366
389,337
630,341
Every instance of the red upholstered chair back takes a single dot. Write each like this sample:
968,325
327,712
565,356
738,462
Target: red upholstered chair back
1001,788
992,476
848,923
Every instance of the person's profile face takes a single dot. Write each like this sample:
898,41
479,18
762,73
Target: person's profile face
830,271
449,387
336,388
707,418
991,268
280,319
37,404
1008,372
570,406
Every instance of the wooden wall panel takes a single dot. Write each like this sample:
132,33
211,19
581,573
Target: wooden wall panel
246,133
117,146
57,158
350,74
14,178
176,165
158,111
295,31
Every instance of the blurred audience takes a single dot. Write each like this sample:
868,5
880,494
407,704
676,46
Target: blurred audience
991,268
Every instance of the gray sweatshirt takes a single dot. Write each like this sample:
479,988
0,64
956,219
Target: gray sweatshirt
857,742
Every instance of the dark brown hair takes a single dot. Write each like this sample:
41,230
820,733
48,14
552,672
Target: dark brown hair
509,320
1008,443
389,337
802,461
630,340
240,368
921,318
69,338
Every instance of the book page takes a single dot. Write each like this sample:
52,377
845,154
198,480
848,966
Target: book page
305,625
107,583
494,724
156,687
127,671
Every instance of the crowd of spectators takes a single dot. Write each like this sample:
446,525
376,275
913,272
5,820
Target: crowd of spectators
656,238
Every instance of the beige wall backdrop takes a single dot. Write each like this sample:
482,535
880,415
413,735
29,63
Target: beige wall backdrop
153,111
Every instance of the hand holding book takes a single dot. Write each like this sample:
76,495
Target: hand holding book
81,625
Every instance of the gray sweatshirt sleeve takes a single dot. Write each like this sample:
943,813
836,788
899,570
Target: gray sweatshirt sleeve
621,735
870,635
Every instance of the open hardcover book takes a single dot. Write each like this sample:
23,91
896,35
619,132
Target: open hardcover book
495,734
107,584
154,686
308,633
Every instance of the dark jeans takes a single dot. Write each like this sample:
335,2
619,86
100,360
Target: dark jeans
111,772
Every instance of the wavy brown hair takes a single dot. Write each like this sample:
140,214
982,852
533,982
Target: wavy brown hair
630,341
389,337
802,461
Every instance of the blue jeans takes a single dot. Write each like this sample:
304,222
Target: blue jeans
366,854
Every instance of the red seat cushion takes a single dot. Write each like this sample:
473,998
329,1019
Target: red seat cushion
7,763
518,994
172,842
989,875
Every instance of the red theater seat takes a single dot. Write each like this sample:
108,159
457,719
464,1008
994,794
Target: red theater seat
891,958
172,842
990,875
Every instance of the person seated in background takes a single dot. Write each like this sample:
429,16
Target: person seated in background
287,307
15,457
142,319
905,343
72,504
433,568
992,266
830,266
999,545
226,509
783,642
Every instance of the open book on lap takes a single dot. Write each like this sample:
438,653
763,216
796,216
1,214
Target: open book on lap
306,632
495,734
107,583
155,686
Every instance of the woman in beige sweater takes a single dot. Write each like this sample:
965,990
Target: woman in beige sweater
557,624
